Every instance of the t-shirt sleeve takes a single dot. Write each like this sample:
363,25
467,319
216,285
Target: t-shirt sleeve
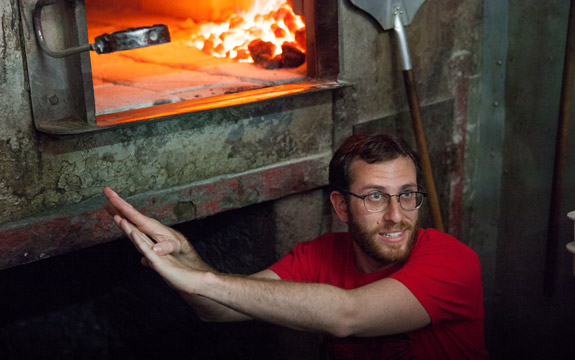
445,276
295,265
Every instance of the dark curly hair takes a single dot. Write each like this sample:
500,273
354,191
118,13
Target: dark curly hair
371,149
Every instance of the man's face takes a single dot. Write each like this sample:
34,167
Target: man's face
387,236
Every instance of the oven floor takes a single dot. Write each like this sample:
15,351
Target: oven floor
168,73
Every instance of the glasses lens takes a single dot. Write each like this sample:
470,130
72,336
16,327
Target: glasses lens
376,201
410,200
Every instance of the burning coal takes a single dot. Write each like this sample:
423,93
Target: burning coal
270,34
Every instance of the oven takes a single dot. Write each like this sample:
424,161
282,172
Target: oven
179,131
96,64
185,134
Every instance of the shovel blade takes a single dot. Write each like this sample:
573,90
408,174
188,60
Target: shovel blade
384,11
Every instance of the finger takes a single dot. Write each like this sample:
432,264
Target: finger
116,201
167,246
108,206
109,192
127,211
124,225
160,245
110,209
123,211
118,220
129,229
142,242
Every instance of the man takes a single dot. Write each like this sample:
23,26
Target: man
385,289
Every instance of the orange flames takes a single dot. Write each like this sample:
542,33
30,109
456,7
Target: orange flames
267,26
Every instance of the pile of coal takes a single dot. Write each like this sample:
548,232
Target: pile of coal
262,52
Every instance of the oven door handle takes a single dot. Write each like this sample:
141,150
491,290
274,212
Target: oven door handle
37,21
128,39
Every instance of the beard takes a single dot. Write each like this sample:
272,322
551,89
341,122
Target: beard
390,253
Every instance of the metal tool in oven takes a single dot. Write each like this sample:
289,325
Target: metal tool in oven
128,39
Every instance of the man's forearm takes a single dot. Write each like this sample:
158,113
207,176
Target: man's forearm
208,309
212,311
301,306
384,307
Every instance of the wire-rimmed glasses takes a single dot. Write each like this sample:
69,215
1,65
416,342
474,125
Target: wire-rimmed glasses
377,201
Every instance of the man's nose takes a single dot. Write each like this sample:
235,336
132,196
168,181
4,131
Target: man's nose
394,212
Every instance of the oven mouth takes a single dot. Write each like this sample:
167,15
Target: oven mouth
187,69
90,91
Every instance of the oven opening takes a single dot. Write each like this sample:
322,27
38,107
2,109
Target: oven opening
217,48
221,53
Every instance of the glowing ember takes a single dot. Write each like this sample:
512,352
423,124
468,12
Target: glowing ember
268,24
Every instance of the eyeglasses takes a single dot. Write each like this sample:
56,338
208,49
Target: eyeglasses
377,201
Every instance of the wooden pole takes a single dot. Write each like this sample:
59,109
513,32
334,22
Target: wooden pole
422,149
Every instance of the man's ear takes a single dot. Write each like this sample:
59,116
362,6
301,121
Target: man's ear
339,205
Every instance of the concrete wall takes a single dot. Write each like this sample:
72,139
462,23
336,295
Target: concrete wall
20,156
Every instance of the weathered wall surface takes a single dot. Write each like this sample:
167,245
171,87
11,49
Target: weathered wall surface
19,156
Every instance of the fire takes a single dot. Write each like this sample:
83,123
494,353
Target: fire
246,36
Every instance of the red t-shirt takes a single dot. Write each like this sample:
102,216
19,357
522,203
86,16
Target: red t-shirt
443,274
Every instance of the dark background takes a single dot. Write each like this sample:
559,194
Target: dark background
100,303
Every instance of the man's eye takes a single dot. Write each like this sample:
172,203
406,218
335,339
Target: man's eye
407,194
376,196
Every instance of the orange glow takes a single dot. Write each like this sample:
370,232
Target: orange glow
185,107
268,20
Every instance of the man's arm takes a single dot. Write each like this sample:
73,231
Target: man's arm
212,311
384,307
380,308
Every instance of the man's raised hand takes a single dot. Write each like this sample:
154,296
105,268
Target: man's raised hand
166,241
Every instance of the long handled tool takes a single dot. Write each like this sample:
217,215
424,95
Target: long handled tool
396,14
